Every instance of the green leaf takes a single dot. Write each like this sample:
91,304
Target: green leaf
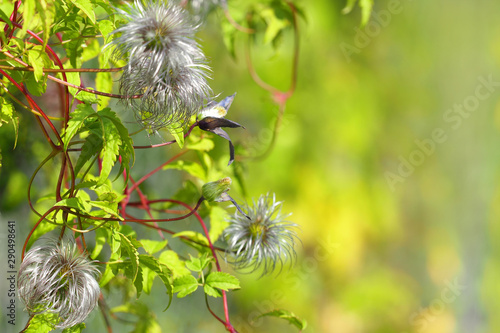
75,329
151,267
7,112
28,13
87,97
222,281
115,243
45,14
274,25
101,234
178,133
36,62
42,323
194,239
288,316
126,148
131,250
92,146
104,82
211,291
111,149
185,285
76,203
86,7
91,50
198,264
218,222
5,18
193,168
76,122
73,78
109,207
35,87
203,144
106,27
152,246
171,260
107,275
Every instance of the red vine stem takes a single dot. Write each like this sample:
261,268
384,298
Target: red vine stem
227,323
34,228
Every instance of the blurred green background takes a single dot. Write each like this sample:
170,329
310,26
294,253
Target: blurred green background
387,159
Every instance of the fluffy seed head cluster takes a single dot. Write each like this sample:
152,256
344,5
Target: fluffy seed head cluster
57,278
265,239
166,66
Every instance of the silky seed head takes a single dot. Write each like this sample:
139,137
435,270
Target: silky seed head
57,278
166,66
263,239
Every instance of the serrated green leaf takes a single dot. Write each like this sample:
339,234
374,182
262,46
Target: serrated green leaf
86,7
131,250
210,291
218,222
110,150
193,168
42,323
222,281
138,278
185,285
152,246
288,316
198,264
92,146
150,268
175,265
126,148
76,122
